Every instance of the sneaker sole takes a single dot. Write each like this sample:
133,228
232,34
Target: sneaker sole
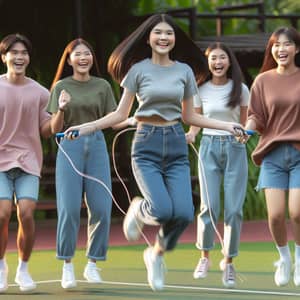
195,276
137,235
68,287
91,281
26,288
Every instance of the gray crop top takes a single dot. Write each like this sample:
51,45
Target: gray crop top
160,89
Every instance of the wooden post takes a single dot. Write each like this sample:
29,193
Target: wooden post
78,32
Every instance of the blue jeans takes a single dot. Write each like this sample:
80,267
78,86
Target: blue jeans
18,183
161,169
224,160
89,155
280,168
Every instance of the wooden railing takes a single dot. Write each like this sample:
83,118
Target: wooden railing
222,14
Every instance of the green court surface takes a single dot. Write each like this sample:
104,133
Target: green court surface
124,276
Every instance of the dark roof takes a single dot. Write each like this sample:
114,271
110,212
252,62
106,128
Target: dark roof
247,43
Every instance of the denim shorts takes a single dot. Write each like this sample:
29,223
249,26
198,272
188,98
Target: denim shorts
280,169
16,182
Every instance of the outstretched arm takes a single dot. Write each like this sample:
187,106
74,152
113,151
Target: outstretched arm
189,116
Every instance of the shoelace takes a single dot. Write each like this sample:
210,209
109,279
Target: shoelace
230,273
202,265
69,274
238,275
94,271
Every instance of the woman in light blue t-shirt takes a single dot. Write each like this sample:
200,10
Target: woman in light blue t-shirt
158,64
221,159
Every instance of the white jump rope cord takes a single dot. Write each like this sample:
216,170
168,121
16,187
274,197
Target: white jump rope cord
125,187
208,199
101,182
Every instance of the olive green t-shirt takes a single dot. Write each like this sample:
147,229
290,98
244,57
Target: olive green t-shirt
90,100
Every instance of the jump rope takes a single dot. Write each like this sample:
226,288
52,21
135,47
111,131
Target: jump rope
75,134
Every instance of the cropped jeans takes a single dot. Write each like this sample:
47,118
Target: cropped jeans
223,160
89,155
161,169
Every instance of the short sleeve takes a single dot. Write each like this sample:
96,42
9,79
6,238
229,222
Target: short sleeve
130,81
53,100
245,95
110,102
190,88
44,116
197,100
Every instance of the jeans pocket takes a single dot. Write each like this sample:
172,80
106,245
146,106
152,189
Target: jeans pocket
142,135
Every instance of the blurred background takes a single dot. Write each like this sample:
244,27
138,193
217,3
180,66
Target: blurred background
244,25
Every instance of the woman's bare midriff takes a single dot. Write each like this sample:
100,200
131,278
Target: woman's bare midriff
155,120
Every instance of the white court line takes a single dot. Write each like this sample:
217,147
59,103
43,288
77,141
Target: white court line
182,287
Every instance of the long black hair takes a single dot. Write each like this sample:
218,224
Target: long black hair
234,72
135,48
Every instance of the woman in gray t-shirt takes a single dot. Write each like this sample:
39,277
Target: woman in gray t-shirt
161,75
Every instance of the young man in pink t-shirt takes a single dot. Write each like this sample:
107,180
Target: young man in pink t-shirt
22,120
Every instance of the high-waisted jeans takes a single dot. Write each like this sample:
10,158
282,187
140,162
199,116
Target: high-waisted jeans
224,160
161,168
89,155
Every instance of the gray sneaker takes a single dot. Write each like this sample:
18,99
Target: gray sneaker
228,276
201,268
156,269
132,226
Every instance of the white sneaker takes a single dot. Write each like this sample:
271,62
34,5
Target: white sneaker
3,279
228,276
68,280
25,282
132,226
297,274
282,273
155,268
91,273
201,268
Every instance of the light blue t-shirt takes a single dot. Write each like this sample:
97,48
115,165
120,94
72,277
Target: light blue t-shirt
213,100
160,89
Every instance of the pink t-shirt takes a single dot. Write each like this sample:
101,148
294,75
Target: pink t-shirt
22,113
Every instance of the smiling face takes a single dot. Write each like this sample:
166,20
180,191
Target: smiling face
284,51
162,39
219,63
81,60
16,59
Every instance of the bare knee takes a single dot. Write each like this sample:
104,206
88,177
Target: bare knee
5,214
295,218
276,220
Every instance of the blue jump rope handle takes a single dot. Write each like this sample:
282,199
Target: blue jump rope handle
250,132
61,135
